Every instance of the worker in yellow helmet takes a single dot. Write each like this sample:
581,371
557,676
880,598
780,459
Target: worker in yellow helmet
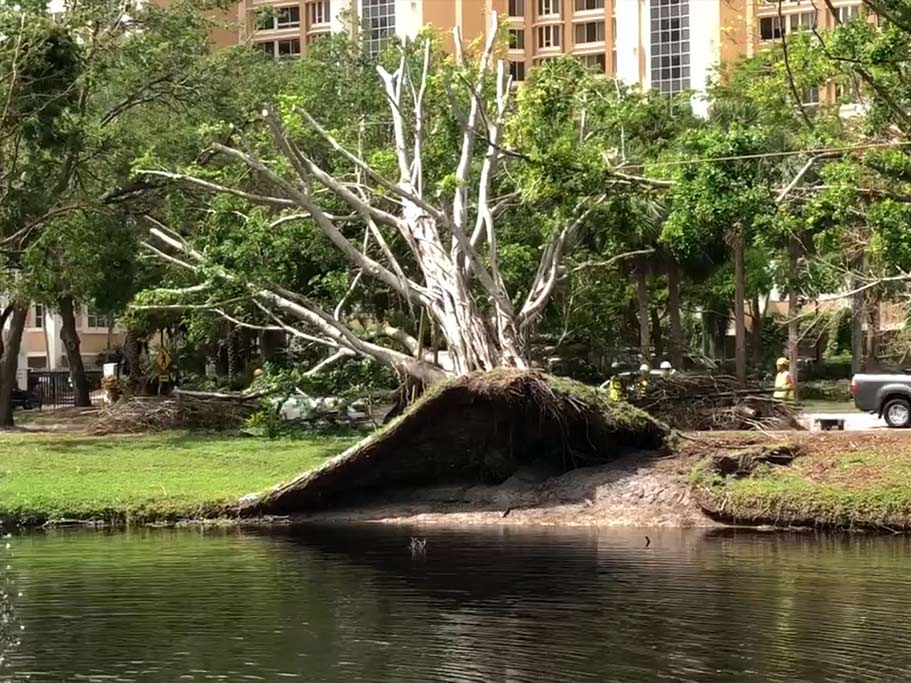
784,383
614,389
644,372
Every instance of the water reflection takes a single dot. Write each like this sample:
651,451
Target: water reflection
354,604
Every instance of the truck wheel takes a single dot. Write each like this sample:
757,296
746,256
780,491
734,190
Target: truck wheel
897,412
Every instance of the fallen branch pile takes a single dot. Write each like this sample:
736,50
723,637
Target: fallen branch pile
714,402
182,410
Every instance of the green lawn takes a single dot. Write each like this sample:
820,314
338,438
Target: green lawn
135,479
863,488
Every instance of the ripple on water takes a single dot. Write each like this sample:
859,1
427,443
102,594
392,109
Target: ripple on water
352,604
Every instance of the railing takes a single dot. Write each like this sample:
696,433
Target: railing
55,389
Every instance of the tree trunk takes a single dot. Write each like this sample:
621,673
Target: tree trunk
4,316
873,331
656,333
757,331
793,312
233,356
9,364
82,394
645,342
673,311
705,320
131,351
857,320
740,337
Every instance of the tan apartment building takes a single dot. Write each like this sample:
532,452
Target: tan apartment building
42,348
668,45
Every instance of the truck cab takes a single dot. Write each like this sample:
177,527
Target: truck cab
885,395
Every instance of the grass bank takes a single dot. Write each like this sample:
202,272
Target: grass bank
140,479
843,480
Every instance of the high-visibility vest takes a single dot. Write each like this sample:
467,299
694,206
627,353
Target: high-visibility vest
614,391
784,386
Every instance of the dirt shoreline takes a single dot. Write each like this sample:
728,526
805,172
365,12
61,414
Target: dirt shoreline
636,490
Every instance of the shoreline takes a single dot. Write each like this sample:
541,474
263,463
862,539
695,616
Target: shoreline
832,481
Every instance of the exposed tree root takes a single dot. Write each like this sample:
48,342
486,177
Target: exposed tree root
480,427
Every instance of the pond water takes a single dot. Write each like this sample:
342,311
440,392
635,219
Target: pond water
353,604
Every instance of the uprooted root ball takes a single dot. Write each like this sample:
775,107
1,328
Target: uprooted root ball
480,427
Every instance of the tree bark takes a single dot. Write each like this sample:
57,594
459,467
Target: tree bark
131,351
4,316
793,312
645,341
873,331
756,316
673,311
82,393
656,332
9,364
740,338
857,320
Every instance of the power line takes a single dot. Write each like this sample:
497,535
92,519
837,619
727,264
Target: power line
767,155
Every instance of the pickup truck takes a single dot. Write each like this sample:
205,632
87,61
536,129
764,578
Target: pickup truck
888,396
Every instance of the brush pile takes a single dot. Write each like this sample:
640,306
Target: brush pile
714,402
182,410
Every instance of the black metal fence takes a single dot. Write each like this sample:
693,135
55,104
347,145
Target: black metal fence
55,388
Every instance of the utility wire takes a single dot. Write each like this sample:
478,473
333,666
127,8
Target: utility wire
767,155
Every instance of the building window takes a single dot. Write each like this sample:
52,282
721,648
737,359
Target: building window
548,7
378,20
770,27
670,43
289,49
319,12
584,5
810,96
516,39
285,49
38,316
36,362
846,14
287,17
517,71
596,62
590,32
549,36
95,321
278,18
805,21
516,8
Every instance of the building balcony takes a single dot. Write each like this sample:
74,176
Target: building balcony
548,51
582,14
585,48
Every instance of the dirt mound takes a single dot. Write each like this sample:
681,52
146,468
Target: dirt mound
479,428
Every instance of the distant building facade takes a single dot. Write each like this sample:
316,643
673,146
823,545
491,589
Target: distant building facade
668,45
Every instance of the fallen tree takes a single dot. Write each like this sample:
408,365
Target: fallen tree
480,427
430,243
714,402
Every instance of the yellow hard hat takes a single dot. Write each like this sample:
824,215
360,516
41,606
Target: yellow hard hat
782,362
